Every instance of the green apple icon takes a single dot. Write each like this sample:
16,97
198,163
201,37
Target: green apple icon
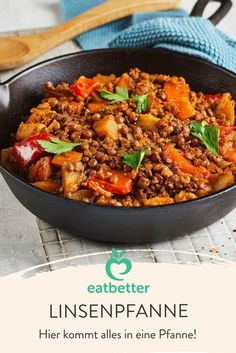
118,259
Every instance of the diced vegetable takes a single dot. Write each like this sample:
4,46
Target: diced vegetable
83,87
159,200
225,131
98,189
226,109
222,181
6,154
29,150
54,126
26,130
125,81
49,185
184,108
177,92
153,99
175,88
104,79
38,114
107,127
116,182
228,143
80,195
69,157
7,159
42,170
70,180
97,107
75,106
185,196
172,155
148,122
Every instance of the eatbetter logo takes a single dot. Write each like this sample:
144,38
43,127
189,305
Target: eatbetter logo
118,259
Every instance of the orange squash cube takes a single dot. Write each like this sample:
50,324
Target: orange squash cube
223,181
49,185
26,130
226,106
125,81
148,122
107,127
159,200
70,181
69,157
177,92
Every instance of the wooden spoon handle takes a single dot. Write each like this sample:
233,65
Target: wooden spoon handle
102,14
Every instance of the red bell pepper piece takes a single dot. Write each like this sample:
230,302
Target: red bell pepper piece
122,185
83,87
214,97
29,150
228,143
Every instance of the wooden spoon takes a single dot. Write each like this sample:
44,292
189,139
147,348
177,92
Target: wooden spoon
18,50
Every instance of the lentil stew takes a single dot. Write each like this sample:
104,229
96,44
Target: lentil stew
135,140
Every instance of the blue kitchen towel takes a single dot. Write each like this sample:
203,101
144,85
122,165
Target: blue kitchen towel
172,30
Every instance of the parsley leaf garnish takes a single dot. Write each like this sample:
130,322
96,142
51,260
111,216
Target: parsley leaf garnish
121,94
133,160
143,103
209,135
57,146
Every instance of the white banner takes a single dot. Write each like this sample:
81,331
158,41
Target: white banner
120,307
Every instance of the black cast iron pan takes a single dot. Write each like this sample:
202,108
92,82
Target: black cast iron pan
114,224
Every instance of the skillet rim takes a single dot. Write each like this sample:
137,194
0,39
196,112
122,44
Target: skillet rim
111,50
34,67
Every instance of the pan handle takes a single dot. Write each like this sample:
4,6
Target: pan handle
218,15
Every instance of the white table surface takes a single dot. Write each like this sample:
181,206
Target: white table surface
26,241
